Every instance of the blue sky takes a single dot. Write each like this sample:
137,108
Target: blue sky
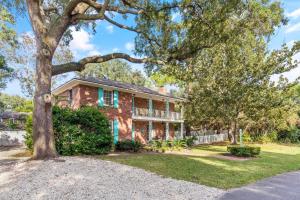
109,38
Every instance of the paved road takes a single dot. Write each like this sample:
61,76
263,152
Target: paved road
282,187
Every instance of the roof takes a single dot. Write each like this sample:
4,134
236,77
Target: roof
15,115
127,86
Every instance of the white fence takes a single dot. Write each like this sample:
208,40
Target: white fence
11,138
208,139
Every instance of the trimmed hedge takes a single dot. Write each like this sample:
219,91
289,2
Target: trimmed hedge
84,131
128,145
244,151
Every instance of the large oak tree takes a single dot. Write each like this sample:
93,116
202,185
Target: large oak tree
160,39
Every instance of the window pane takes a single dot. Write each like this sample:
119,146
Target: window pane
107,97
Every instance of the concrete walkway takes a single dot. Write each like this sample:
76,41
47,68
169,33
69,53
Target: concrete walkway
281,187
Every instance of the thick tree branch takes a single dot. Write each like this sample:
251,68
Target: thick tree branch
131,29
121,25
98,6
36,17
80,65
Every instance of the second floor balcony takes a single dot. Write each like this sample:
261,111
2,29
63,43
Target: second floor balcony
144,113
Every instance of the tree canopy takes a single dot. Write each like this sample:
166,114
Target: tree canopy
115,70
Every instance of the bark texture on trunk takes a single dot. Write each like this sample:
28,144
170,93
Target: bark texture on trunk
234,141
43,136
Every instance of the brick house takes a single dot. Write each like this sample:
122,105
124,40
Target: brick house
135,112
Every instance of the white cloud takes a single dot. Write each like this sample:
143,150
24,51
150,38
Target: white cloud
293,74
175,15
82,45
129,46
290,43
115,49
110,28
294,14
293,28
81,41
94,53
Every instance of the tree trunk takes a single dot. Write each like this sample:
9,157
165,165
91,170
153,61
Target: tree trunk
43,136
234,133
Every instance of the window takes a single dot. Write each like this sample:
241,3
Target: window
108,98
70,97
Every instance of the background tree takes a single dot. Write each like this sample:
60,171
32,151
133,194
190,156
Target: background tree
7,38
15,103
232,83
116,70
6,73
23,59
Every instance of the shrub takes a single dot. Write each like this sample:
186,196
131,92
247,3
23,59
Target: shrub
128,145
28,135
11,125
83,131
247,137
292,135
244,151
190,141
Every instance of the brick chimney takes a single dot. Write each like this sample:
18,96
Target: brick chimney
162,90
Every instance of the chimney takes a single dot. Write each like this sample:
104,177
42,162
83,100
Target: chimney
162,90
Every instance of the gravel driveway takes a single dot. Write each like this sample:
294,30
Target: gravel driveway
89,178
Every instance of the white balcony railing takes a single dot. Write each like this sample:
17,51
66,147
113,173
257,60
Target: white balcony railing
162,114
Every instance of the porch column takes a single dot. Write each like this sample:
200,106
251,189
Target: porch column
167,108
167,131
181,112
181,130
150,130
150,107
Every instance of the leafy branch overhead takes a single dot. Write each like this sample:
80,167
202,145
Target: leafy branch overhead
160,39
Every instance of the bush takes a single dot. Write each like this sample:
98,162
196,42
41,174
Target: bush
243,151
128,145
291,135
160,145
83,131
247,137
190,141
28,135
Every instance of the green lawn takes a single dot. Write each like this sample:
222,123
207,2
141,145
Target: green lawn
205,169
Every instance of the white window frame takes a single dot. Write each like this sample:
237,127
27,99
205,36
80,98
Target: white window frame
111,98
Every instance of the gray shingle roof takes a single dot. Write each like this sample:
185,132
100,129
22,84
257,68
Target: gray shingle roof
128,86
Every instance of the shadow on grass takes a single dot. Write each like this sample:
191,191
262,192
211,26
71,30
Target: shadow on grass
213,171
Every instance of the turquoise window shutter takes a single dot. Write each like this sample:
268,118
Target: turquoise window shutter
100,97
116,131
116,98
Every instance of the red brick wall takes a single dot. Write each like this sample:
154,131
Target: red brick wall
76,97
64,96
140,103
171,131
159,130
141,131
159,105
62,100
89,96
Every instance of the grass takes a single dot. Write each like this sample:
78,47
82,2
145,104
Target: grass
203,168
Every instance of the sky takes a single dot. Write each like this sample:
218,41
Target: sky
109,38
